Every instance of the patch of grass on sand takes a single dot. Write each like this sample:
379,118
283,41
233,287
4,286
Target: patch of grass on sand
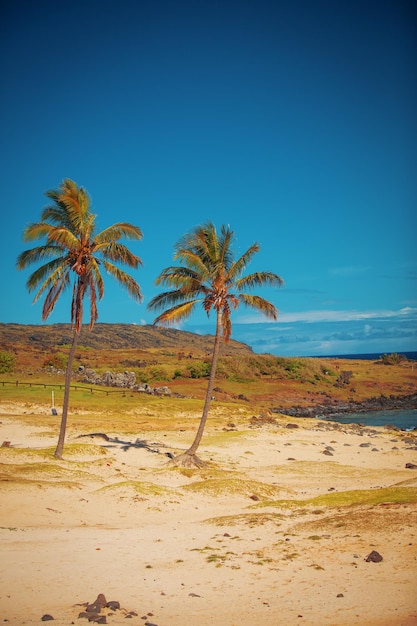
391,518
206,473
235,486
246,519
42,471
331,469
144,489
71,451
350,498
224,437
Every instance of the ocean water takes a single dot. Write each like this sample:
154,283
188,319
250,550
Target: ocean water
404,419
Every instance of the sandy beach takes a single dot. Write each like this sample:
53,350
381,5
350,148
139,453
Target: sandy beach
276,530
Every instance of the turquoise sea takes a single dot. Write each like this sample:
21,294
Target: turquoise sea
404,419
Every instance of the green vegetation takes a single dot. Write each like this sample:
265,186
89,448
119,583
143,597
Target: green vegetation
385,495
247,519
140,488
232,486
45,472
392,359
7,362
58,361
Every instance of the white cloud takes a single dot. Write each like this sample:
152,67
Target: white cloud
327,315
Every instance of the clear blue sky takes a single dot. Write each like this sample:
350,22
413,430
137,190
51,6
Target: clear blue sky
294,122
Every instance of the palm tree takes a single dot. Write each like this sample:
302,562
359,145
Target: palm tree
76,252
209,275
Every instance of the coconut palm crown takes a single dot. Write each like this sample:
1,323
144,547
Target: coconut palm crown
210,276
76,252
75,256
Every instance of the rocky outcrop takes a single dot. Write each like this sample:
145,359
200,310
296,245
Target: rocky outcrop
125,380
380,403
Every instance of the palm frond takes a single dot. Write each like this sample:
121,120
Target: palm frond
118,252
193,260
259,279
76,202
236,268
57,287
92,291
98,279
183,279
36,230
57,214
64,237
169,298
56,267
60,273
176,314
37,254
117,231
260,304
125,280
225,242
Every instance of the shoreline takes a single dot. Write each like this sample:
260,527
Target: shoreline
334,407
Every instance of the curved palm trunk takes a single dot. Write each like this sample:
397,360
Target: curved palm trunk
193,448
60,447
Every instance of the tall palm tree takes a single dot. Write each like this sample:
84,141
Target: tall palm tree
76,252
209,275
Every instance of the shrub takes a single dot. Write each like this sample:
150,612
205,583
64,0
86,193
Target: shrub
7,362
59,361
158,373
392,359
200,369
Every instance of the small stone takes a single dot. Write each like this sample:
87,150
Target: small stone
340,595
99,603
410,466
98,619
327,452
113,604
373,557
47,617
292,426
254,497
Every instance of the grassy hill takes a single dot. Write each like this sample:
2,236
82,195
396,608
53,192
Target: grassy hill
110,337
181,361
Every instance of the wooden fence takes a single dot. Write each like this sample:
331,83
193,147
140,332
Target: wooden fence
97,389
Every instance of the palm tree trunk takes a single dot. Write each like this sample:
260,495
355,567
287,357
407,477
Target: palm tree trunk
209,394
60,447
